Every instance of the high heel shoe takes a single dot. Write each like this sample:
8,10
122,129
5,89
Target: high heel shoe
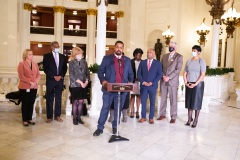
194,125
131,114
31,122
80,121
137,114
188,123
75,122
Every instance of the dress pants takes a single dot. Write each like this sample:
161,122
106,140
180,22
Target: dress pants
54,90
145,91
173,92
108,98
28,99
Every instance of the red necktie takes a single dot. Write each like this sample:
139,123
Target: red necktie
149,64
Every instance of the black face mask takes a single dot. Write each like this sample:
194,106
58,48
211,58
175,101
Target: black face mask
171,49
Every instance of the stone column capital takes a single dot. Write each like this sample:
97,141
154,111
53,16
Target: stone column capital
91,11
120,14
27,6
60,9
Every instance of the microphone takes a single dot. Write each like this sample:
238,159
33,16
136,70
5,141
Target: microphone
120,62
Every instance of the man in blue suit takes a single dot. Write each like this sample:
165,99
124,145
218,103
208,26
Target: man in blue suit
149,73
115,68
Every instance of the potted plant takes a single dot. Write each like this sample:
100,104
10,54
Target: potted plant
93,68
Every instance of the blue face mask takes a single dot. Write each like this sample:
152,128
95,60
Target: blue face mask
56,50
194,54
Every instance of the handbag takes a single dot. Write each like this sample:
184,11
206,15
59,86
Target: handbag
14,97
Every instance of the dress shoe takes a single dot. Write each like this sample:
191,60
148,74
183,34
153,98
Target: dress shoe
98,132
161,118
172,120
80,121
137,114
194,125
142,120
49,120
151,121
31,122
131,114
25,124
58,119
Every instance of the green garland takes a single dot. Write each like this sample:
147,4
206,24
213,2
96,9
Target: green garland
218,71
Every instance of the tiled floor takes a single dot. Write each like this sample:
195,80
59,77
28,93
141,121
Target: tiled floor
217,137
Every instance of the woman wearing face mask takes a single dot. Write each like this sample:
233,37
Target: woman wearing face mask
79,78
28,73
193,76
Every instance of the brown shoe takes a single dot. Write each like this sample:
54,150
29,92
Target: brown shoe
58,119
142,120
161,118
172,120
49,120
151,121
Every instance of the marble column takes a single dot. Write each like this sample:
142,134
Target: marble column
230,52
91,28
58,24
120,25
25,26
101,31
215,45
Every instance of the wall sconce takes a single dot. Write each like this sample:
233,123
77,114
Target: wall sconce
74,45
231,18
75,13
107,48
202,31
168,35
112,17
39,45
34,11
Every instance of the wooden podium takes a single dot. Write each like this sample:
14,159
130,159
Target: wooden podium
119,87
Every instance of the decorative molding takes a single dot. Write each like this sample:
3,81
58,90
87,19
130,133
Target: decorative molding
120,14
91,11
28,6
98,2
60,9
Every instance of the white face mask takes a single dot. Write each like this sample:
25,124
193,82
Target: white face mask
194,54
56,50
78,57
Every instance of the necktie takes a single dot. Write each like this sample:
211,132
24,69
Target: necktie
149,64
56,61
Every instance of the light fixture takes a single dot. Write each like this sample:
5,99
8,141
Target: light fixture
34,11
74,45
75,13
39,45
217,9
168,35
231,18
202,31
112,17
107,48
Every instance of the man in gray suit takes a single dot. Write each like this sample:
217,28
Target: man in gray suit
172,64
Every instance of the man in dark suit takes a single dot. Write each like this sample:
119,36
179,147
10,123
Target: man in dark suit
115,68
149,73
55,68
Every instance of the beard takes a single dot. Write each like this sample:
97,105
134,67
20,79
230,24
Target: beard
118,53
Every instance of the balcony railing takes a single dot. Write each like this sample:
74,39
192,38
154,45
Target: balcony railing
42,30
75,32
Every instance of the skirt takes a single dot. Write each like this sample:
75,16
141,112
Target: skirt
78,93
194,96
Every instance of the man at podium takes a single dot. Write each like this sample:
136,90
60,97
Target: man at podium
115,68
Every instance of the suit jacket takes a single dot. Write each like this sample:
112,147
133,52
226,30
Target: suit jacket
27,75
134,69
154,74
107,71
50,68
77,71
172,68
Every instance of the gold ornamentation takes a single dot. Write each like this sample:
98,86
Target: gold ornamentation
119,14
28,6
59,9
91,11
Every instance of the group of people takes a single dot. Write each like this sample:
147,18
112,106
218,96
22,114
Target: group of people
115,68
